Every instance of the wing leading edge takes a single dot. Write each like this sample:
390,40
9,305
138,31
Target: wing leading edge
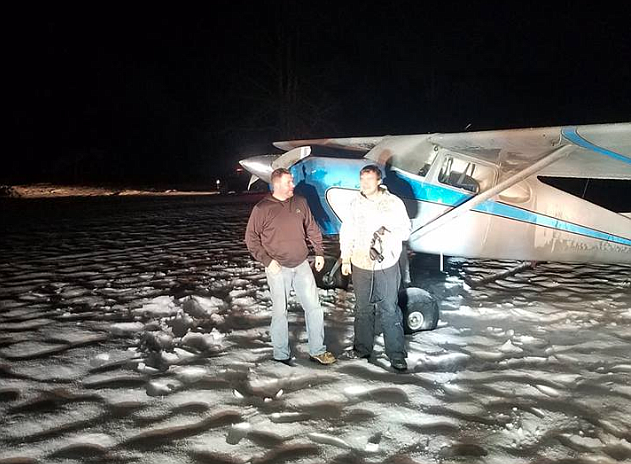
602,151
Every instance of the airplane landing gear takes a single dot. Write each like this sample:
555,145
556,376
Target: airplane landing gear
419,308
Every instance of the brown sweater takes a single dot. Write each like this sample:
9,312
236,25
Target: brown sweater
280,229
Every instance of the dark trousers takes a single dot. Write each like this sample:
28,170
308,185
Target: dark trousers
376,295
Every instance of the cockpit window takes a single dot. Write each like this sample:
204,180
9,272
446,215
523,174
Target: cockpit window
465,174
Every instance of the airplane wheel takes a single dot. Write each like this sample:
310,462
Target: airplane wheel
419,308
337,280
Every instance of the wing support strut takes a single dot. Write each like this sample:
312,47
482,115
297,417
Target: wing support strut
475,200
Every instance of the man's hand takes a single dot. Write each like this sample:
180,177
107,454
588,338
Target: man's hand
346,269
274,267
319,263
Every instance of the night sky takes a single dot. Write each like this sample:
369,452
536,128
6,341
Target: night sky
165,97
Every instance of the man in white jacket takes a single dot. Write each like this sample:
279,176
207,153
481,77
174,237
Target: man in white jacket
371,241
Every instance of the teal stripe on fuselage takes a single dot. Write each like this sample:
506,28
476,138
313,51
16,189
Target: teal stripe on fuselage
313,176
511,212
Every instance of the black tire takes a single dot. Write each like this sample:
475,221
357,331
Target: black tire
419,308
337,280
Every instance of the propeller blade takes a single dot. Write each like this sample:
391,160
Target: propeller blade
253,179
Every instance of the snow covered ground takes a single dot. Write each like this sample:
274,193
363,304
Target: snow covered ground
136,330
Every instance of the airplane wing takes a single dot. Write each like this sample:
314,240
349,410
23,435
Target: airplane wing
359,144
601,151
605,153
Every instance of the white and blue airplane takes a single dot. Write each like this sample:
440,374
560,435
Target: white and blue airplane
477,194
474,195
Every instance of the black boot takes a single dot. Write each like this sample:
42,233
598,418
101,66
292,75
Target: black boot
399,364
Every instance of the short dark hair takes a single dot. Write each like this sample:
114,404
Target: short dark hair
371,168
278,173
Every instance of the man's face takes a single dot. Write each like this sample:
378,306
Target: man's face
284,186
368,183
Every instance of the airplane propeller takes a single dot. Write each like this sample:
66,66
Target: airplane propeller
253,179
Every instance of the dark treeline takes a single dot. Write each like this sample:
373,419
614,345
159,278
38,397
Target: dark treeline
159,99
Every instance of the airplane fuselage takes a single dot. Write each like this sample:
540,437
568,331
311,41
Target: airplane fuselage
529,221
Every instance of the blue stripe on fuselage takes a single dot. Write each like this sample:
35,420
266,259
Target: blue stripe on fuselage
313,176
511,212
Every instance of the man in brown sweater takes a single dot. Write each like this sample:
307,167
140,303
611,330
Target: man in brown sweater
276,235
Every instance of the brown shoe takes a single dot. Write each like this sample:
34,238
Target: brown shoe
325,358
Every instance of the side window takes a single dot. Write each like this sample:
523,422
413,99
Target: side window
428,164
466,175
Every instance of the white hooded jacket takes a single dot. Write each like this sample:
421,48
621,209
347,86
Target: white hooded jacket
364,218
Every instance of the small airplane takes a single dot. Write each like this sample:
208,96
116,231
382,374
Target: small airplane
476,194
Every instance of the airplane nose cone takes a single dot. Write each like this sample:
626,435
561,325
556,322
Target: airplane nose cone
260,166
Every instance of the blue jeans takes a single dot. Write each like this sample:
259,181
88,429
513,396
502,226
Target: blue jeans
300,278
